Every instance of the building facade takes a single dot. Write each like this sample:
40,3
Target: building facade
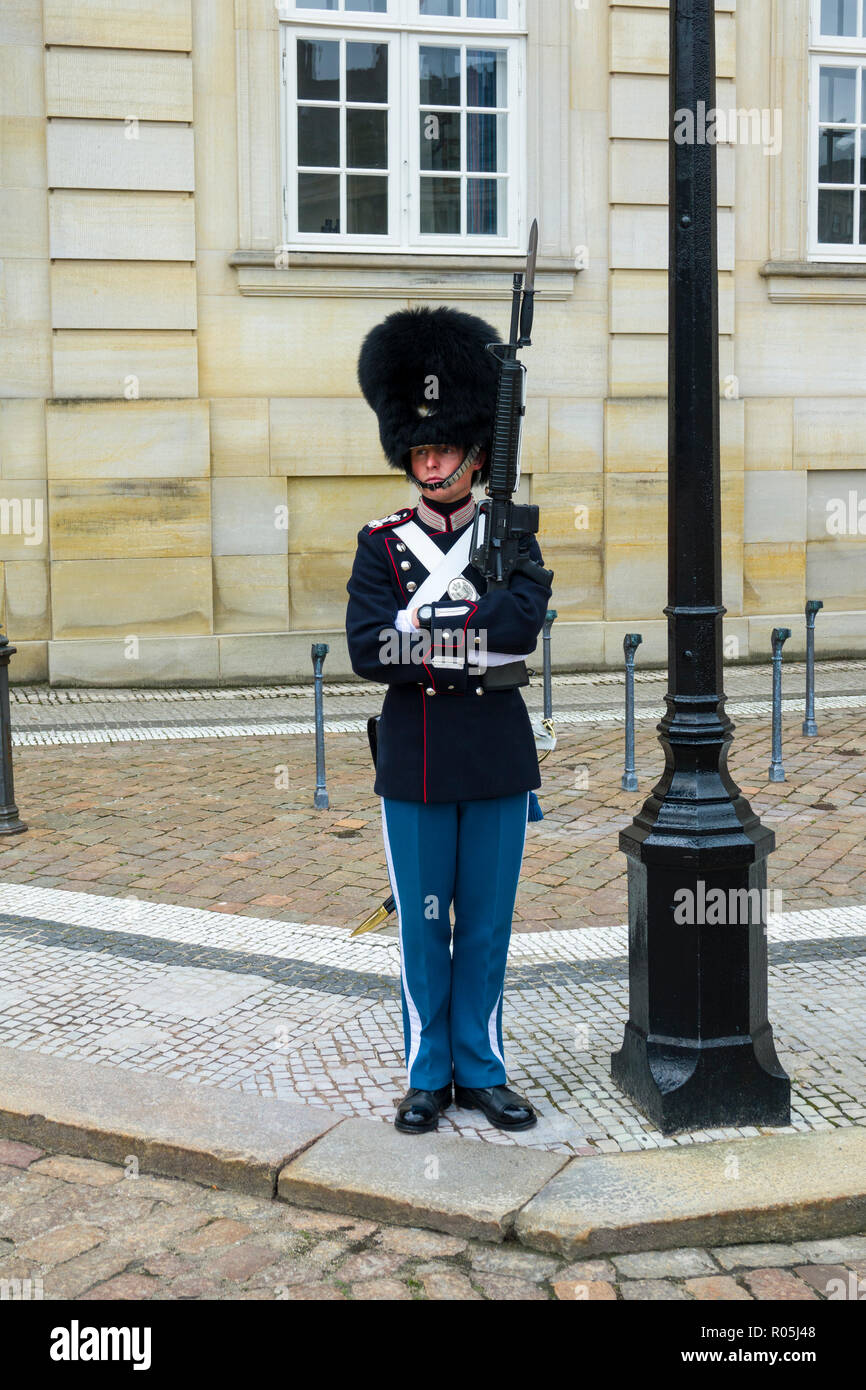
205,204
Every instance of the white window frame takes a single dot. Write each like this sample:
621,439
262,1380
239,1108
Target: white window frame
406,31
842,52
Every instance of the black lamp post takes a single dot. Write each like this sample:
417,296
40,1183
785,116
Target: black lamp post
698,1048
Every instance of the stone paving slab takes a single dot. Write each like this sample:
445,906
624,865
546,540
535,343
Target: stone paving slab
170,1127
782,1188
432,1180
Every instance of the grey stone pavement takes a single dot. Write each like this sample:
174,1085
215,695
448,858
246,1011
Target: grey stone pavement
300,1013
580,698
74,1228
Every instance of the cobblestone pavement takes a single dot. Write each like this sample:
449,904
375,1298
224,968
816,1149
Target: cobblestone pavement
228,824
302,1013
43,707
44,717
85,1230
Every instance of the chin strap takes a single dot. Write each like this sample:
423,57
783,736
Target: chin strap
455,476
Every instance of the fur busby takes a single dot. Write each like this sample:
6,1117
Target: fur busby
427,375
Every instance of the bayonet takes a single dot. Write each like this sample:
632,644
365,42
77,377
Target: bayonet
500,523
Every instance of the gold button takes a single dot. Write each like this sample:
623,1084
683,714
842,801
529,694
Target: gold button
446,636
411,586
430,690
401,550
405,564
479,690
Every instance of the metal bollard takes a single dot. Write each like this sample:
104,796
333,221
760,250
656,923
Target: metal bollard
813,606
631,642
318,652
780,637
549,620
10,823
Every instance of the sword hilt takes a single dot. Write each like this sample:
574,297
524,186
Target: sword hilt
376,919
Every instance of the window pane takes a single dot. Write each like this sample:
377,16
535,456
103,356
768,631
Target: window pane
318,70
836,216
369,6
319,136
440,140
317,4
839,17
487,9
486,144
366,139
486,73
446,7
837,94
319,202
836,163
367,72
485,207
440,206
440,76
366,205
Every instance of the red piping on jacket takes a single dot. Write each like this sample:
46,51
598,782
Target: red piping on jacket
396,571
424,712
424,664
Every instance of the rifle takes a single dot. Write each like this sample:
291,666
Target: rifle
500,523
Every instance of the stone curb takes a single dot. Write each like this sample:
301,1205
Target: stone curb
178,1129
780,1187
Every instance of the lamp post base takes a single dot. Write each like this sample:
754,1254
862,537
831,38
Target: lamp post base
698,1049
10,824
715,1084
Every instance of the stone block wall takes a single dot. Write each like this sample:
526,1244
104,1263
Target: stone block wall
185,459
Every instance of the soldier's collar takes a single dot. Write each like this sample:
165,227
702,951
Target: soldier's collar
445,521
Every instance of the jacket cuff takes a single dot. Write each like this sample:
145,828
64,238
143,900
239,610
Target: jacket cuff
449,640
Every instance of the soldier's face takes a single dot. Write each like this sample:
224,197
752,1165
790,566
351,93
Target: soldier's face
433,463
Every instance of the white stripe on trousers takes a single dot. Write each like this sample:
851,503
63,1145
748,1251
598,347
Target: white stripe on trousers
491,1022
414,1016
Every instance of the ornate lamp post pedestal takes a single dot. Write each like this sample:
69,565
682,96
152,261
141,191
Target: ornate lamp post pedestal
698,1048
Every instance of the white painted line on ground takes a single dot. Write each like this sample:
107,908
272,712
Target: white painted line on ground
52,738
331,945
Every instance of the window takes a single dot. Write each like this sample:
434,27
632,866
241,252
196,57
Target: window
403,125
837,156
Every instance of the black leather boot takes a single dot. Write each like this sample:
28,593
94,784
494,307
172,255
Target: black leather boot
503,1108
419,1111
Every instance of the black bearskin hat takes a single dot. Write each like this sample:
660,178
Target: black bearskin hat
427,375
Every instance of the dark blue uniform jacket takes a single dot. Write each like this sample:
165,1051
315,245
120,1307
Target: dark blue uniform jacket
441,737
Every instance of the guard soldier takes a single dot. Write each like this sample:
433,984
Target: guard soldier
456,762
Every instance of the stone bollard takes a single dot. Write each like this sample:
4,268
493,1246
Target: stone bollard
318,652
780,637
550,619
810,728
631,642
10,823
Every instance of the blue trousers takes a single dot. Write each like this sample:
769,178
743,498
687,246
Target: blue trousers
467,853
